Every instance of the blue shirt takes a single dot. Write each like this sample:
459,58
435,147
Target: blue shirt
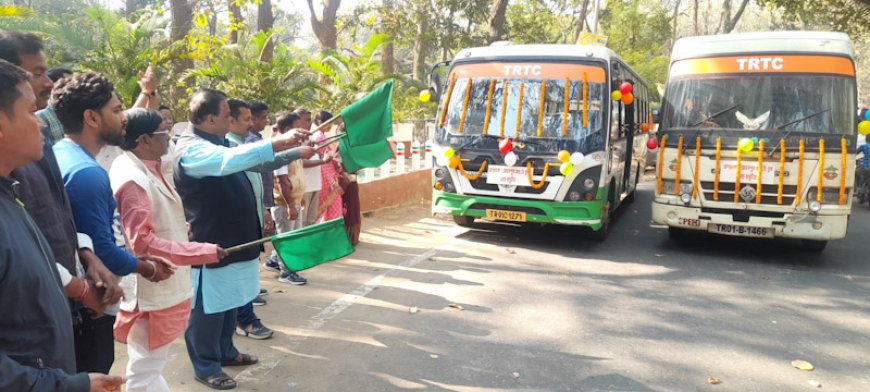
94,208
865,148
238,283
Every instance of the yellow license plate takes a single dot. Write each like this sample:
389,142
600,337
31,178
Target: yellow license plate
513,216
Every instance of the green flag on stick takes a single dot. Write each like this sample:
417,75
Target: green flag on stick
313,245
370,120
360,157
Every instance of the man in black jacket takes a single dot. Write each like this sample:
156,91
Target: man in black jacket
36,349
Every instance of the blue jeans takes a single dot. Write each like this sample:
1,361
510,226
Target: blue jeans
209,338
246,315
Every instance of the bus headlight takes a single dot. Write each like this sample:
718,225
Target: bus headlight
686,198
815,206
584,185
440,173
588,184
442,180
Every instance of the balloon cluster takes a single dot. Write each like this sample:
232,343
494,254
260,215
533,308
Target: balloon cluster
452,158
506,148
864,126
624,94
569,161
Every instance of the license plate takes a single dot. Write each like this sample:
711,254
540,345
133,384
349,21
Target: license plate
741,231
513,216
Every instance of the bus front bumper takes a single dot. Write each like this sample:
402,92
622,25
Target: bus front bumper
585,213
791,225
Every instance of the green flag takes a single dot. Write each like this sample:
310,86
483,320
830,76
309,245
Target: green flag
313,245
370,119
369,155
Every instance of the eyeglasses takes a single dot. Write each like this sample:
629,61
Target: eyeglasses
164,134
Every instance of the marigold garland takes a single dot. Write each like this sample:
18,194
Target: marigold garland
476,175
532,183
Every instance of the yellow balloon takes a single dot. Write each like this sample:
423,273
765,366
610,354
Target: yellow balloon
449,152
453,163
564,156
425,96
566,169
745,145
864,127
616,95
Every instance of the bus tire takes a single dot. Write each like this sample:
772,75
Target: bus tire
815,246
601,234
463,220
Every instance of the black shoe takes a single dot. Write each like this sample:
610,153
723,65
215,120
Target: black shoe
272,265
264,292
259,301
254,331
292,278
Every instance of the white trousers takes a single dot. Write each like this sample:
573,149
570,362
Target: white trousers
145,367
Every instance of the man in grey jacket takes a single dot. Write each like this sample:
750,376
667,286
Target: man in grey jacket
36,349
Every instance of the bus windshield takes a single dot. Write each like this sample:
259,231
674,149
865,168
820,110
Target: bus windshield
542,111
776,102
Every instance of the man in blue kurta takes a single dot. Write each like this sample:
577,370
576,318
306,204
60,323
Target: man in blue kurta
221,207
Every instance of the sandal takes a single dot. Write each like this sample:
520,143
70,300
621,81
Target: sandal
220,381
245,361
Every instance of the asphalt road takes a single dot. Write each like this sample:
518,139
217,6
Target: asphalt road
424,304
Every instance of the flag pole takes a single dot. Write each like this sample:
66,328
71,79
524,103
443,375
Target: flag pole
248,245
327,122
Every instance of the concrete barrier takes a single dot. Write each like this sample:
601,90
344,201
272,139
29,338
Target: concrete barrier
413,187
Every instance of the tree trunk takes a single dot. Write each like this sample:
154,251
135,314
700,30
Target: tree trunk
674,17
389,58
731,23
265,21
695,18
235,14
182,22
324,28
726,15
419,67
497,18
581,20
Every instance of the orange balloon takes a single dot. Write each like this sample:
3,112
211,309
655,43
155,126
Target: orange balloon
644,127
627,98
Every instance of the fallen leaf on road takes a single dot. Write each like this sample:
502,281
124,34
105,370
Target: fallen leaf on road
814,383
280,291
456,306
433,356
515,374
413,310
511,251
714,380
802,365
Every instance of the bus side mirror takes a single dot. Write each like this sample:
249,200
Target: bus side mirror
656,114
435,80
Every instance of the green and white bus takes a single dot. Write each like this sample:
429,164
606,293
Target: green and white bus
512,143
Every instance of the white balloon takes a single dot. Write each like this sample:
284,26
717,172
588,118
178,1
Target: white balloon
576,158
441,160
510,159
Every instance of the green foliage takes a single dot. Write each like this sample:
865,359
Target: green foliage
283,83
353,73
126,48
638,32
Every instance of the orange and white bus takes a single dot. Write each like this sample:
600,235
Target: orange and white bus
757,137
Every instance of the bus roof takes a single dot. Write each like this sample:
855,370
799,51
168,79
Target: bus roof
767,42
544,52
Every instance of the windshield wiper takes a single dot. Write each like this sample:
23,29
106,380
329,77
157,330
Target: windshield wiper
781,127
714,115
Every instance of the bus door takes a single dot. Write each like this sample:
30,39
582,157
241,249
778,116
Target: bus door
619,146
628,129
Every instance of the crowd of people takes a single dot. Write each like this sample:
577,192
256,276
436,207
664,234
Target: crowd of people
116,228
